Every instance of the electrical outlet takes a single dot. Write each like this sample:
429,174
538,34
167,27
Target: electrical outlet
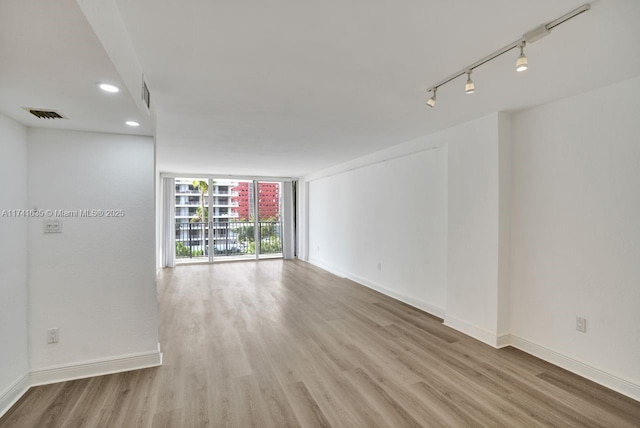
53,334
379,266
581,324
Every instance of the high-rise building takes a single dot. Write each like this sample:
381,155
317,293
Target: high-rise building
189,201
231,200
268,200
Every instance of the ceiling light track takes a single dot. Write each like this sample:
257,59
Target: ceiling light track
521,64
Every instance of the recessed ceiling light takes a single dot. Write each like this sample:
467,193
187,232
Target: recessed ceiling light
132,123
109,88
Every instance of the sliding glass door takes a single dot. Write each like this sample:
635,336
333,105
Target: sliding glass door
224,219
269,209
232,221
191,219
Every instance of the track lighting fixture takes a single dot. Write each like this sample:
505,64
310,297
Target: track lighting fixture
521,64
432,101
470,87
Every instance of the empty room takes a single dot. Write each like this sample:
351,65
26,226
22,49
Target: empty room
319,213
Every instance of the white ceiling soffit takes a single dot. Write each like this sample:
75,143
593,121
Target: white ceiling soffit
104,17
52,60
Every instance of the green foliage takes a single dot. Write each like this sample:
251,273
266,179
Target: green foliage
202,213
199,218
267,230
201,185
245,234
183,251
271,246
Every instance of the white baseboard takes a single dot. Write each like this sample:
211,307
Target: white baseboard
503,340
416,303
411,301
96,368
623,386
329,269
77,371
476,332
13,393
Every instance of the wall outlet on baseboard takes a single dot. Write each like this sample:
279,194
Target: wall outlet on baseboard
581,324
53,335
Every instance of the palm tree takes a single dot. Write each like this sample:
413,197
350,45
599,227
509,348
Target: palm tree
202,214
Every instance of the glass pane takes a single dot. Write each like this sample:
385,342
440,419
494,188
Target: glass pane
270,220
232,216
192,229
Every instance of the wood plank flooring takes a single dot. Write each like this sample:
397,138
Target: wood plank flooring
284,344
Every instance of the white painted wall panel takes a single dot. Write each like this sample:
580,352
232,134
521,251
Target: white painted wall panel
576,227
96,280
14,359
392,213
473,241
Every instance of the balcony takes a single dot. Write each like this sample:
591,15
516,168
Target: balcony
227,239
187,192
229,193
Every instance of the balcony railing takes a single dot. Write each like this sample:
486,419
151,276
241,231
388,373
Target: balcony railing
232,238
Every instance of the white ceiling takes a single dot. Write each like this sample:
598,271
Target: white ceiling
287,87
50,58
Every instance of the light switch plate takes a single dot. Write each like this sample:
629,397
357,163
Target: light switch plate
52,226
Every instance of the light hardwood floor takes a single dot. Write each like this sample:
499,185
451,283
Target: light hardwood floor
284,344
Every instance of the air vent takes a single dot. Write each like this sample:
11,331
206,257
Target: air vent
44,114
146,95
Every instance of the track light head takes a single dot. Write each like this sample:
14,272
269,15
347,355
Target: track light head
432,101
522,64
470,87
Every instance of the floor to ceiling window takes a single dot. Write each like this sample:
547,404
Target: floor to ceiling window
227,219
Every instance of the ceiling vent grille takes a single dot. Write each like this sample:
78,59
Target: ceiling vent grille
44,114
146,95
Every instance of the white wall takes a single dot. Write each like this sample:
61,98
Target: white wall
576,228
14,359
473,228
504,225
392,213
446,256
96,280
